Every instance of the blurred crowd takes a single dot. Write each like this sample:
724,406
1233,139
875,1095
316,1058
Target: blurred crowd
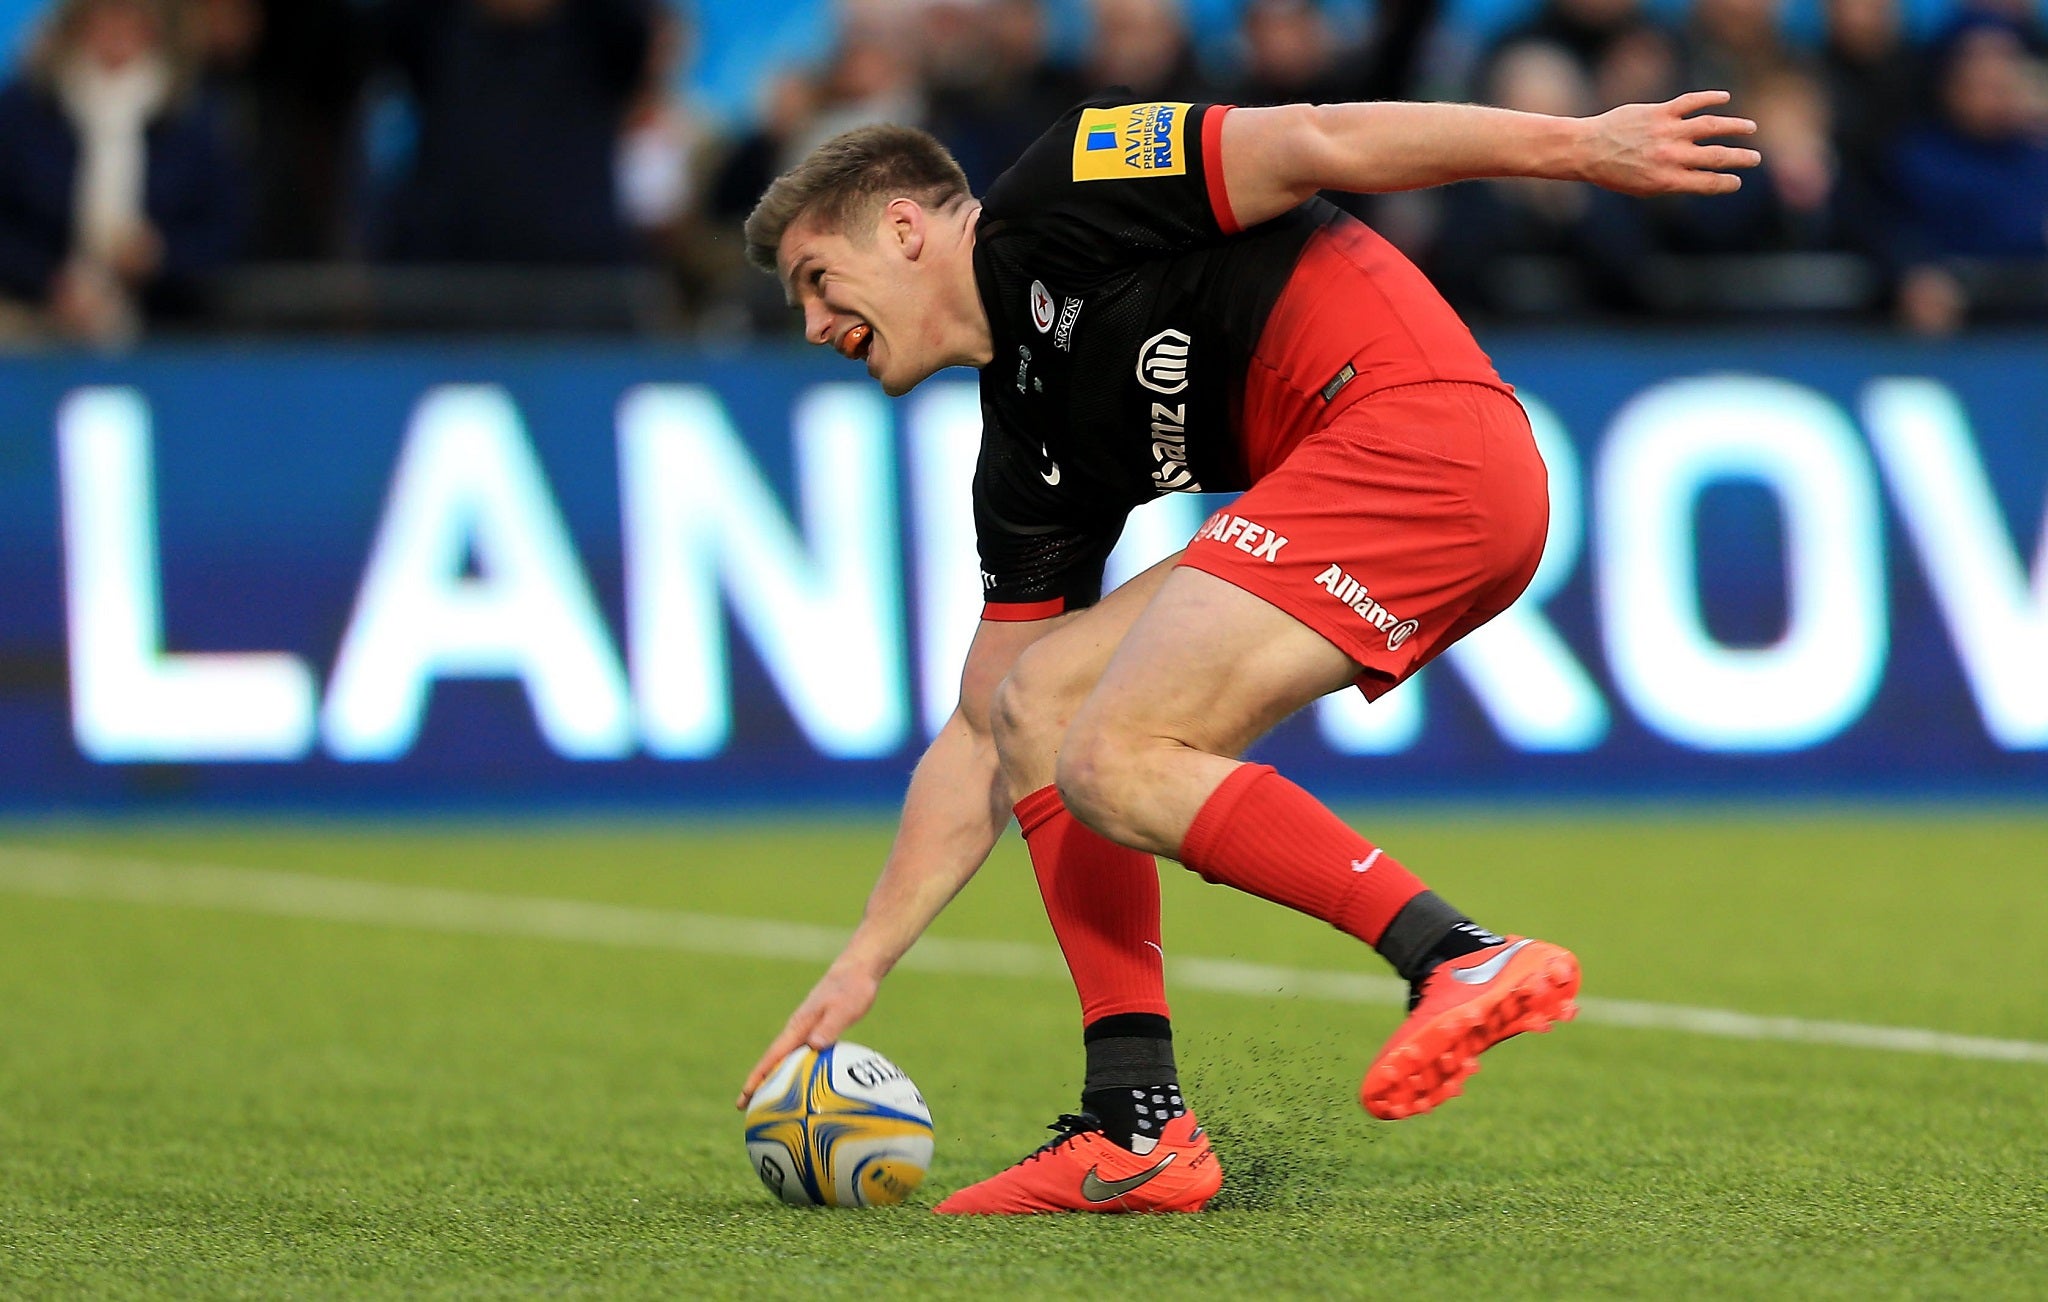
153,150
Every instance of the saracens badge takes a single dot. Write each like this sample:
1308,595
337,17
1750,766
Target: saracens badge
1041,306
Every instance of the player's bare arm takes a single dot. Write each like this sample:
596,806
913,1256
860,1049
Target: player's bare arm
956,807
1276,158
1022,683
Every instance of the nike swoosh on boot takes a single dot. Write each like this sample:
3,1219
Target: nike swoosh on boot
1487,971
1098,1190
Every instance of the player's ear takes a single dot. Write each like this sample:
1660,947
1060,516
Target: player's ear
905,224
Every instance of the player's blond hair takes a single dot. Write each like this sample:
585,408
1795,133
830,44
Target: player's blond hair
845,181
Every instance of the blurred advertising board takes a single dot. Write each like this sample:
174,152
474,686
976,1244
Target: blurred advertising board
394,577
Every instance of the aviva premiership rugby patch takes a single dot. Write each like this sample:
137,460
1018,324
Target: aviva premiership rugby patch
1130,141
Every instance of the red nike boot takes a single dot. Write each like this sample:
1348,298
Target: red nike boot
1468,1005
1085,1171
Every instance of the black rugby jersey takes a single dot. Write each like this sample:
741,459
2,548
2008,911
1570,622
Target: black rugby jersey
1124,310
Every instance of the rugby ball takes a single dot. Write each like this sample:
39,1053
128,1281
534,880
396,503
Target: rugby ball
839,1127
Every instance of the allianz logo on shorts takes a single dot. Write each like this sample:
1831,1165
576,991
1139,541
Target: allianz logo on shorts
1262,543
1353,594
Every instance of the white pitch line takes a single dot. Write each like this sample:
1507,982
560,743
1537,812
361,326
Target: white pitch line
63,875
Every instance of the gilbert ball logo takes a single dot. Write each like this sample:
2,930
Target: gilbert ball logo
1163,362
1041,306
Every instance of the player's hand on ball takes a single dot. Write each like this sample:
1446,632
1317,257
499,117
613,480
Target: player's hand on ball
841,998
1652,149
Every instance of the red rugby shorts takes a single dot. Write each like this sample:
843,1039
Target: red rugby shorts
1414,516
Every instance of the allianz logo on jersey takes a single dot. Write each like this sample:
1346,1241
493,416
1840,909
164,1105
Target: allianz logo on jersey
1170,449
1354,594
1163,362
1163,368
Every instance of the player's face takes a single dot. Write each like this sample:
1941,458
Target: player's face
859,298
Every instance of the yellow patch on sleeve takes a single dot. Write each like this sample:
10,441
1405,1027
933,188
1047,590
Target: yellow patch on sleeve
1130,142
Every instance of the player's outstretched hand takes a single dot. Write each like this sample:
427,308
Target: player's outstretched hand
1650,149
841,998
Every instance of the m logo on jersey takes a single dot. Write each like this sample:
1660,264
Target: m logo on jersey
1163,362
1130,141
1041,306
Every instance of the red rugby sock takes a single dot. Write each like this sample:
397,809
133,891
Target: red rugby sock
1103,900
1264,835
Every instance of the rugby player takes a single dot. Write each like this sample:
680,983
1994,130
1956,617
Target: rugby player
1158,301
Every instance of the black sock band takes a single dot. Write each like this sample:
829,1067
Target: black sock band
1132,1085
1151,1026
1411,939
1128,1050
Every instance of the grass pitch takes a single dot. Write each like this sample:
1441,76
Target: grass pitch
222,1101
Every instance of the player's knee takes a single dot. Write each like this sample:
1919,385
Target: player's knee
1009,713
1024,716
1095,773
